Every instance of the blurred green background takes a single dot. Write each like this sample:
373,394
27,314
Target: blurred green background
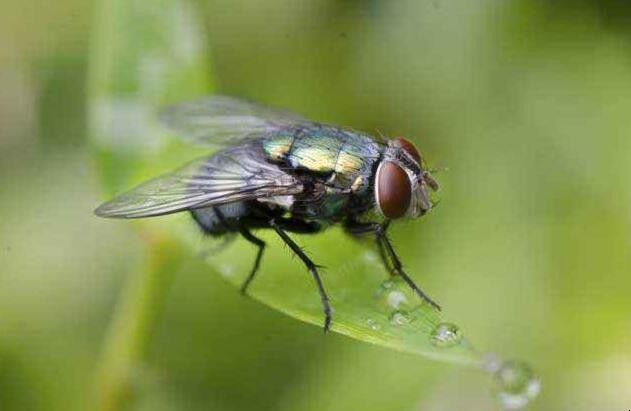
526,103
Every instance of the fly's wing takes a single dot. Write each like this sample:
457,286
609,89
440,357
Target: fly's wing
221,120
236,174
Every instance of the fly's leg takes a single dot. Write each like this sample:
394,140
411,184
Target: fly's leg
259,254
398,269
382,250
387,250
311,266
384,256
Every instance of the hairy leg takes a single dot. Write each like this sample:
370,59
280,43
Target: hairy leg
311,266
386,250
261,247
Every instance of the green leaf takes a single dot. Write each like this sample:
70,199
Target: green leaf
369,305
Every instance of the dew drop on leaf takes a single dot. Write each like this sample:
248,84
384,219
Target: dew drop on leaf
400,317
373,324
516,385
446,335
226,270
394,294
396,298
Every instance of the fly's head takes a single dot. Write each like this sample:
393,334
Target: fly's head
402,182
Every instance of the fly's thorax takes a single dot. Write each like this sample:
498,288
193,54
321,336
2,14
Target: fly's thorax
304,148
402,184
315,151
339,158
321,149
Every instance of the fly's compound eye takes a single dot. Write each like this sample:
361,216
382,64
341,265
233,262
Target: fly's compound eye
407,145
393,190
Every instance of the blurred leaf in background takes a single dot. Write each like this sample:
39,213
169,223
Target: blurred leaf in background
526,104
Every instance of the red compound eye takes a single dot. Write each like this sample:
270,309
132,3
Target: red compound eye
393,190
407,145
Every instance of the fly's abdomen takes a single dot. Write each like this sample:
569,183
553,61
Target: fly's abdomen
217,220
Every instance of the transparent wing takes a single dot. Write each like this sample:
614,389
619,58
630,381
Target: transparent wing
220,120
236,174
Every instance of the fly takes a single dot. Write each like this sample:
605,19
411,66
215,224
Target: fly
280,171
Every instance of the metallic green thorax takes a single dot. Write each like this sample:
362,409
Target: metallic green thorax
341,162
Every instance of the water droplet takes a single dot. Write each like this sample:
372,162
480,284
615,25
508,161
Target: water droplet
369,257
373,324
226,270
396,298
446,335
394,294
400,317
517,385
